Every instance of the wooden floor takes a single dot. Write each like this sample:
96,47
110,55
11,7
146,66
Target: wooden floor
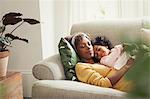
26,97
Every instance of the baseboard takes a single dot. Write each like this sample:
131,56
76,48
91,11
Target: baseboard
25,72
26,97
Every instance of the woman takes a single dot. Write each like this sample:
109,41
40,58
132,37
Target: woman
89,72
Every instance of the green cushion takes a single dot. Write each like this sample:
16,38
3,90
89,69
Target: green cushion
69,58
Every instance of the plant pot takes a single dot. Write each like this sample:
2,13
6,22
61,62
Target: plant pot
4,62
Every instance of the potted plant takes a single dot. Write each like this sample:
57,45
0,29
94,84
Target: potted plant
139,73
6,39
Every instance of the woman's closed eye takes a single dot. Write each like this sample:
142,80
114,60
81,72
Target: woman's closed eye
89,44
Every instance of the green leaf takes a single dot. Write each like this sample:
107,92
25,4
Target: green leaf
2,90
139,73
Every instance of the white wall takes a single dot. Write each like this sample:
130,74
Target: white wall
47,27
24,56
0,12
55,21
61,25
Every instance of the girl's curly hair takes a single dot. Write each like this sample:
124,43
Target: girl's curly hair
102,40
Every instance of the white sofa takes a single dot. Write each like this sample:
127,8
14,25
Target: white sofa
51,83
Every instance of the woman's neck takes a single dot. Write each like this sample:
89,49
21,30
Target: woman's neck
88,60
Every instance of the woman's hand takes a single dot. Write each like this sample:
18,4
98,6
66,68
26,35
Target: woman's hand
130,63
120,73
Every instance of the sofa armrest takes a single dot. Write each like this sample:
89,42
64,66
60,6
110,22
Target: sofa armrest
49,68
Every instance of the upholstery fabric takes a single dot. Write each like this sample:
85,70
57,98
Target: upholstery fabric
68,58
50,68
112,29
63,89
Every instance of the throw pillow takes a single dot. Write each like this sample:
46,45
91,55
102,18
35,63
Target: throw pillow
69,58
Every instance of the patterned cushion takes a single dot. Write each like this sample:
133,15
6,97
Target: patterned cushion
68,59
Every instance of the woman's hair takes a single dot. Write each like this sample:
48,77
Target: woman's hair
102,40
77,38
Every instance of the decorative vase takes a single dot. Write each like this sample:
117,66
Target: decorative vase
4,56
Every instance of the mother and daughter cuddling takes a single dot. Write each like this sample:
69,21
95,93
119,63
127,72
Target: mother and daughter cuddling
98,60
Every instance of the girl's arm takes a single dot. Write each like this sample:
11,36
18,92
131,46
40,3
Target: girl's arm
111,59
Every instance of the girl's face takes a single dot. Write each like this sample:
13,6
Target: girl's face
100,51
85,49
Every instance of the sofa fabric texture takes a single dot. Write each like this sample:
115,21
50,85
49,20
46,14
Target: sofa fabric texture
65,89
50,72
49,69
112,29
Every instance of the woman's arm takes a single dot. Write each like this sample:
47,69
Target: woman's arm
89,74
120,73
97,74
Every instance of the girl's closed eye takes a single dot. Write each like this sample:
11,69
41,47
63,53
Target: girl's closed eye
98,49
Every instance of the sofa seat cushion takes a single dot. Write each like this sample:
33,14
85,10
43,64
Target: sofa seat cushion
64,89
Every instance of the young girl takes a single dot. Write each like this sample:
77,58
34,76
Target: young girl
107,55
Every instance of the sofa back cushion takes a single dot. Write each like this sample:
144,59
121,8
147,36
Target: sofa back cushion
146,35
114,30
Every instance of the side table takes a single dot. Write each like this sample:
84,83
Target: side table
11,86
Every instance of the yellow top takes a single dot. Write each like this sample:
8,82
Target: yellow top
97,74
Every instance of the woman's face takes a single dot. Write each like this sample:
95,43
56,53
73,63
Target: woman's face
100,51
85,49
